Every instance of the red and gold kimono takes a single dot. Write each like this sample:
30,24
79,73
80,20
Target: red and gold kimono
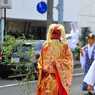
54,76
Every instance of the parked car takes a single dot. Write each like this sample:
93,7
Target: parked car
20,56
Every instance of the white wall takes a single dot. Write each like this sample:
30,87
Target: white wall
70,10
26,9
86,14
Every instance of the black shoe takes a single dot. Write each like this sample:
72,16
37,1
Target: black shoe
90,93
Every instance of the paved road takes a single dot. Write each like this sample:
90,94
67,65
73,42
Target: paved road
10,86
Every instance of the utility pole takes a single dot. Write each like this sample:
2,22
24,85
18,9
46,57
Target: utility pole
49,12
5,32
5,4
60,11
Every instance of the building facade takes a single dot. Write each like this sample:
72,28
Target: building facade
24,18
86,15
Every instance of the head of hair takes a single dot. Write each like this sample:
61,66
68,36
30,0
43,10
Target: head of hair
55,44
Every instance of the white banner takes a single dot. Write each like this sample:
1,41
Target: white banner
74,36
6,4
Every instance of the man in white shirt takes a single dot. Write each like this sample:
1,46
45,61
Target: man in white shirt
90,77
87,56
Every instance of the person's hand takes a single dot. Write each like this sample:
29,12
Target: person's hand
81,51
89,88
53,63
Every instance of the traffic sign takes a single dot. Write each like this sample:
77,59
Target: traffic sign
6,4
41,7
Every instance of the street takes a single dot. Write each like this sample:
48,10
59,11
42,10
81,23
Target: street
11,87
30,29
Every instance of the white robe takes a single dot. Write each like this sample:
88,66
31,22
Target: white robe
90,76
83,58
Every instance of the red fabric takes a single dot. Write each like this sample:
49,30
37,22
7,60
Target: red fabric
47,74
0,54
61,88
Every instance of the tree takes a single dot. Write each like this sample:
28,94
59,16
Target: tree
8,47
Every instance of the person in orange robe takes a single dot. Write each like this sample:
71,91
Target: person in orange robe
55,64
